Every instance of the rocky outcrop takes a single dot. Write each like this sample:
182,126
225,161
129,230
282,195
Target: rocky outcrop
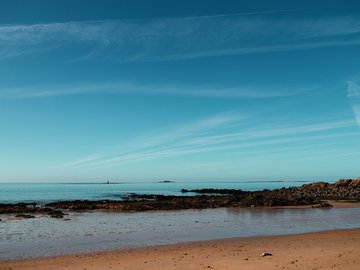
308,194
29,208
343,189
148,202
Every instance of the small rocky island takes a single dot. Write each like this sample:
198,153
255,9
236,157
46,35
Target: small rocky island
314,194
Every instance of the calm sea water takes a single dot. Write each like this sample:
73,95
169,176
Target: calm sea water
42,193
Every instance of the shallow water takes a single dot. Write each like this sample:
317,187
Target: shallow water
99,231
12,193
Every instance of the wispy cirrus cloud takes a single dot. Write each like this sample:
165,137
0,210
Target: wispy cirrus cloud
214,134
354,98
180,38
161,139
284,130
353,89
124,88
356,109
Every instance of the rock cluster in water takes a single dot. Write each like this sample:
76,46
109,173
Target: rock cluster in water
29,208
308,194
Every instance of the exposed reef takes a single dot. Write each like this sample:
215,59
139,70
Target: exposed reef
314,194
30,208
344,189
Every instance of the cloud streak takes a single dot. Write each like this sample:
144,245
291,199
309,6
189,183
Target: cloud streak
353,90
162,139
210,135
179,38
354,98
356,109
119,88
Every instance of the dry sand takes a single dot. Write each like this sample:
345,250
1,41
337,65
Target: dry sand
324,250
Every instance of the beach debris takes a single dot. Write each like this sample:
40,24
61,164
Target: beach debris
264,254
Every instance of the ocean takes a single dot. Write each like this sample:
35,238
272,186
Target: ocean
43,193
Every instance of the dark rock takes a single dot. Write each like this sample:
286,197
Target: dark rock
23,210
323,205
56,214
24,216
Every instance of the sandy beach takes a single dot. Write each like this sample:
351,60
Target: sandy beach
322,250
179,135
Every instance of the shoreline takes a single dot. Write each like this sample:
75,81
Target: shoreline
329,204
97,231
311,195
335,249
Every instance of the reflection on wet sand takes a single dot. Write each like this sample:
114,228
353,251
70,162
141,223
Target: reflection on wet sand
97,231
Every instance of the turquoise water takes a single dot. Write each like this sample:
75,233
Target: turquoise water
12,193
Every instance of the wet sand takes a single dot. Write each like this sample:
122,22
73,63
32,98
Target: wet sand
322,250
91,232
333,203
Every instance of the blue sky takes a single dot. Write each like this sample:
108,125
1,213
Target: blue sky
190,90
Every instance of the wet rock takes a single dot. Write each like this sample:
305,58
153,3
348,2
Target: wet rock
24,210
325,205
24,216
56,214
